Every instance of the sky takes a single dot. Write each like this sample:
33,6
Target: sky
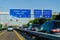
5,19
6,5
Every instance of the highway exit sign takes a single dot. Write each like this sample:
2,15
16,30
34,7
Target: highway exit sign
20,13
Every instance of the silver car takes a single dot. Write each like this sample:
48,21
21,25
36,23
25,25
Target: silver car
10,28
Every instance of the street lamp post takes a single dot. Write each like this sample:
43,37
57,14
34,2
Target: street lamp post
0,15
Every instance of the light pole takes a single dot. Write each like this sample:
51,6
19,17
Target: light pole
0,14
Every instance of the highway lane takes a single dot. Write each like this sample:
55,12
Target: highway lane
9,35
14,35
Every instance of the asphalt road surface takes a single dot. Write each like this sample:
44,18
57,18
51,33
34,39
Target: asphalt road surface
9,35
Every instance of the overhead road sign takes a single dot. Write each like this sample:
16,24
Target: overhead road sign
20,13
47,13
37,13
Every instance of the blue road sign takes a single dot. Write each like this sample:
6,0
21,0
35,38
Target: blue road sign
47,13
20,13
37,13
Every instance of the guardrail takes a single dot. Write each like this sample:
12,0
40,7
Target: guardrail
3,29
40,35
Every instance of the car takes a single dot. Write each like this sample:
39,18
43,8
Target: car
25,28
52,27
10,28
33,27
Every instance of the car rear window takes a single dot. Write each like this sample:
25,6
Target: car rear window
10,26
57,24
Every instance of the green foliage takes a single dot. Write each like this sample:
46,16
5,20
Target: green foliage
53,18
40,21
26,25
0,25
31,21
57,17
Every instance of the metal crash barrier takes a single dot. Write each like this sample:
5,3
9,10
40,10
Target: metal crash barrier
40,35
3,29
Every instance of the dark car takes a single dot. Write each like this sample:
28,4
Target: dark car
52,26
33,27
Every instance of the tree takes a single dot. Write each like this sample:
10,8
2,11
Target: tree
57,17
25,25
31,21
39,21
0,25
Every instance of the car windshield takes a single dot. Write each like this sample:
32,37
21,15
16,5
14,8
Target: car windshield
10,27
57,24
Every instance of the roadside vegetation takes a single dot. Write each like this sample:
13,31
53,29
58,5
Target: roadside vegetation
40,21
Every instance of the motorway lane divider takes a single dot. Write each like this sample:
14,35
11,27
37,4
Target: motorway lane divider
19,36
3,32
41,35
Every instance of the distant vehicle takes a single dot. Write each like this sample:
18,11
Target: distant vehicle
25,28
33,27
19,27
52,26
30,27
10,28
22,28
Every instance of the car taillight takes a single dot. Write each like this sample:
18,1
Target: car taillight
33,29
58,30
54,30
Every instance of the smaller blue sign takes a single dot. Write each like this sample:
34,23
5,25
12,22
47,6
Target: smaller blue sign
47,13
20,13
37,13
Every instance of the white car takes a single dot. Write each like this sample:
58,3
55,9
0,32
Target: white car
10,28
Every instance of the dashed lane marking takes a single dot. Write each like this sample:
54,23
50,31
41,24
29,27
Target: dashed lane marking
3,32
